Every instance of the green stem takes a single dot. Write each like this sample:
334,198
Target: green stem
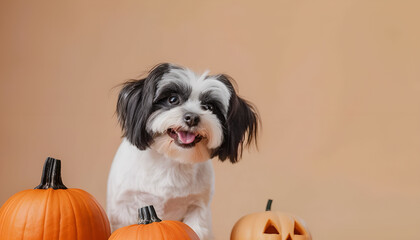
148,215
268,207
51,175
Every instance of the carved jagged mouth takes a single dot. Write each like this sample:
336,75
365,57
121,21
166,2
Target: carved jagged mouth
185,139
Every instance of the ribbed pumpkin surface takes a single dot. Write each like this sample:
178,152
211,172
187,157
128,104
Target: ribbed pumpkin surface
48,214
165,230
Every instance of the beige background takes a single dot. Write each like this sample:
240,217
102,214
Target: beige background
336,83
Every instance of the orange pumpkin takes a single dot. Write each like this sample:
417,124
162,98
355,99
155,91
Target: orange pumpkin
53,212
150,227
270,225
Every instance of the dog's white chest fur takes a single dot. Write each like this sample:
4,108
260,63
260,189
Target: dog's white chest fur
140,178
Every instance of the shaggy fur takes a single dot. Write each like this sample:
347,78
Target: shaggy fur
174,121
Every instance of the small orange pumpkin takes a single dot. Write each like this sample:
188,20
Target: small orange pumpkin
51,211
270,225
150,227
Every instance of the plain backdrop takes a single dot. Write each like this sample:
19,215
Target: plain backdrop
336,82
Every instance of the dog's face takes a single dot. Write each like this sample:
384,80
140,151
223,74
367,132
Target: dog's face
185,116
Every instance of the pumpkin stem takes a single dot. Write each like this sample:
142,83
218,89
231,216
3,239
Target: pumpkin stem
51,175
148,215
268,207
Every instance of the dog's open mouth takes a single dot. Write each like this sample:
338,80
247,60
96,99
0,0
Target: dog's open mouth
184,139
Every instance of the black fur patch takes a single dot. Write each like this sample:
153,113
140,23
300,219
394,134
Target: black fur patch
135,103
241,125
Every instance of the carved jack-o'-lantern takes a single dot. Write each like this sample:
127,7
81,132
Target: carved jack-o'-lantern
270,225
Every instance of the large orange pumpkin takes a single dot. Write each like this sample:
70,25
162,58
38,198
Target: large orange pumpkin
150,227
53,212
270,225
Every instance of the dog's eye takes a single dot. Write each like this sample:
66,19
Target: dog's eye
208,107
173,100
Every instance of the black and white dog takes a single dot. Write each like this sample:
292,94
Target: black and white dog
174,121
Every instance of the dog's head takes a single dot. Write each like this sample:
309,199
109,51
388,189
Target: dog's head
185,116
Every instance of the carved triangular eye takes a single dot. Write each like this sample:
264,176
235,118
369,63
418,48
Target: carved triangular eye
270,228
298,229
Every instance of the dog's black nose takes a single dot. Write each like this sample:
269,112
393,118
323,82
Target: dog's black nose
191,119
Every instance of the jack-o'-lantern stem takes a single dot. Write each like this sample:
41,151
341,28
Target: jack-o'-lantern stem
51,175
148,215
268,207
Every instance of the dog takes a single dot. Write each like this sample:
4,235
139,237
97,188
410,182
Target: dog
174,121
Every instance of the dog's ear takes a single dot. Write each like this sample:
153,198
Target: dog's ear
241,126
135,103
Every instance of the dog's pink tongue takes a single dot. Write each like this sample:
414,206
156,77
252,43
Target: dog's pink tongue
186,137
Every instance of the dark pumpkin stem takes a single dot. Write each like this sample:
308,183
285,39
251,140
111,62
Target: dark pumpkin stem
268,207
51,175
148,215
